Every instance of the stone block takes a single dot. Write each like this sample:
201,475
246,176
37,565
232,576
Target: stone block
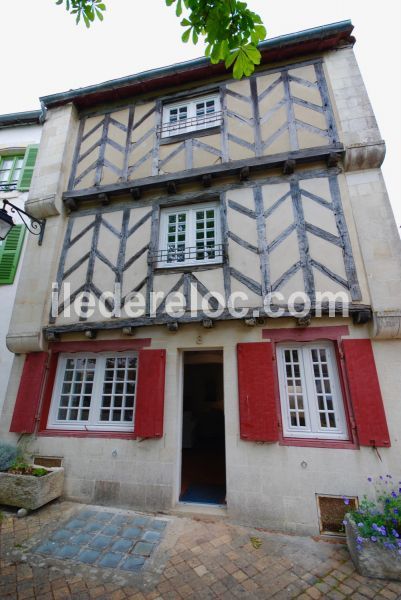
372,559
30,492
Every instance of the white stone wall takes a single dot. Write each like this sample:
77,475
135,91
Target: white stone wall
266,483
17,138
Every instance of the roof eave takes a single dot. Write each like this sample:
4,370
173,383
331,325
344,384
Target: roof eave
309,41
31,117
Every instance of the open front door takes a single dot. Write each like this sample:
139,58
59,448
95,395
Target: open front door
203,475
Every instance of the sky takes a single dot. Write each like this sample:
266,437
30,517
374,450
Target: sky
44,52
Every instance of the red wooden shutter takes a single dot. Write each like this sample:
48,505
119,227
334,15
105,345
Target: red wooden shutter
149,410
29,392
257,402
365,393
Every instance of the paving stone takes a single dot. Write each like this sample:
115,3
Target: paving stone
151,536
81,538
133,563
86,514
122,545
158,524
67,551
88,556
61,535
207,559
46,548
75,524
111,559
141,521
100,542
111,530
143,548
92,527
121,519
103,517
131,533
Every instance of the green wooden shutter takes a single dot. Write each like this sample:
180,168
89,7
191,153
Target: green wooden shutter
27,168
10,250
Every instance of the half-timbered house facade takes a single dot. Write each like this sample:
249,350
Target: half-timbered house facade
214,313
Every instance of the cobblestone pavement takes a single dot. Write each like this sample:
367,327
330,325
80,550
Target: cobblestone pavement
201,558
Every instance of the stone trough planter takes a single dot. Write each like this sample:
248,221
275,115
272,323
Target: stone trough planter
372,559
30,492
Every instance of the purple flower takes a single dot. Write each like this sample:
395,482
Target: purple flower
395,511
359,539
346,500
373,538
394,494
381,477
395,533
369,479
389,476
345,522
360,524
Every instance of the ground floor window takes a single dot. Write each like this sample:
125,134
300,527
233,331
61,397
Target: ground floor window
311,400
94,392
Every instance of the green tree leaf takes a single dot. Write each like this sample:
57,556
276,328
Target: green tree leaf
231,31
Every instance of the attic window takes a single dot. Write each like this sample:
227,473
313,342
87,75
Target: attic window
191,115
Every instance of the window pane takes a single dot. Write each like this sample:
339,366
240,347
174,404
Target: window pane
119,390
177,231
77,379
323,387
205,228
294,388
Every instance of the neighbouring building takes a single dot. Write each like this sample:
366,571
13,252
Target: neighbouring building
261,201
19,139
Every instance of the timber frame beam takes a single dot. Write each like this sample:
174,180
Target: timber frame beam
208,174
356,311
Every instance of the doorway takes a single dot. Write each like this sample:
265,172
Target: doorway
203,466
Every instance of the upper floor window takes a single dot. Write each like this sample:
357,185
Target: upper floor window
94,392
190,235
311,401
10,171
16,170
191,115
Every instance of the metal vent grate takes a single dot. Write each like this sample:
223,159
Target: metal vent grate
332,510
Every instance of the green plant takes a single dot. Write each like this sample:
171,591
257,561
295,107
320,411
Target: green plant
8,455
379,521
20,467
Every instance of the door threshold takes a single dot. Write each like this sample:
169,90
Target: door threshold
200,508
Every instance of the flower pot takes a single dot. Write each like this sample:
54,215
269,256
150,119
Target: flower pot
30,492
372,559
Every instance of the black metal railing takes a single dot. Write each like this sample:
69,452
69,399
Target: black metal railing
180,126
8,187
179,255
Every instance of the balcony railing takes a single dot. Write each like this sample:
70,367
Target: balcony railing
191,254
192,124
8,187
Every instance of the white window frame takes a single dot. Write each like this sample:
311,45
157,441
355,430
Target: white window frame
190,233
313,428
93,424
192,122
